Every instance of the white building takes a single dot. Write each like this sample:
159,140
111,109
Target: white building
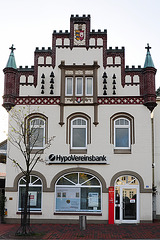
99,112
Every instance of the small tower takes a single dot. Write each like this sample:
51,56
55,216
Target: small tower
10,88
149,72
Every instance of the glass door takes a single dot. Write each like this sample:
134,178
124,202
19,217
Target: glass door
129,204
126,204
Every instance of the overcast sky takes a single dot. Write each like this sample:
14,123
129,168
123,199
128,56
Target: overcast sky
29,24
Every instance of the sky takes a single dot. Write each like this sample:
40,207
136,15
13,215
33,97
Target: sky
29,24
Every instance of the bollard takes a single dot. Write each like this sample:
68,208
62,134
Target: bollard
82,222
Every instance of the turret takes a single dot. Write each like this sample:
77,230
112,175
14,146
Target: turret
10,88
149,72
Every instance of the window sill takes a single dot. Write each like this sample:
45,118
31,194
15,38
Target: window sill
78,151
31,213
122,151
78,213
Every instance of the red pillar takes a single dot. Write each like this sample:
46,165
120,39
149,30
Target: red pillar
111,206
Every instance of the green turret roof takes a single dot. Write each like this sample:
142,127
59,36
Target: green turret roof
11,61
148,60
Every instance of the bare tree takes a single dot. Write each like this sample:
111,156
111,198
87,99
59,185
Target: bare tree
24,135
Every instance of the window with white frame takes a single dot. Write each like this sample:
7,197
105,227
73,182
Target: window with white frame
78,192
79,133
37,133
35,193
79,86
89,86
122,133
69,86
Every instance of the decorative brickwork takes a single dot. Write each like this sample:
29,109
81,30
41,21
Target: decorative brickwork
37,100
120,100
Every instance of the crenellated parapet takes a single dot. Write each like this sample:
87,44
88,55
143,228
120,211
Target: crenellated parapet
74,57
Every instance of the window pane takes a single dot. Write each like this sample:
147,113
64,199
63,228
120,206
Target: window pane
22,181
117,122
92,182
35,197
79,137
89,86
126,122
63,181
68,199
69,86
79,89
90,199
37,137
73,177
84,177
121,121
83,122
35,180
122,137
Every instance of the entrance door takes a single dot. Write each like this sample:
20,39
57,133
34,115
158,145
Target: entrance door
127,203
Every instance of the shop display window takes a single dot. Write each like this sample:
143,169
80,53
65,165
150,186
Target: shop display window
78,192
35,192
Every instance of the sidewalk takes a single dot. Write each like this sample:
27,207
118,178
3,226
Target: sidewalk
93,231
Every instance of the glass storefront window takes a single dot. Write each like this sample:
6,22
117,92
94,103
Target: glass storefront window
35,192
82,194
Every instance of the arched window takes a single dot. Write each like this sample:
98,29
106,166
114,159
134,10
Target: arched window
78,192
37,131
35,192
78,133
121,133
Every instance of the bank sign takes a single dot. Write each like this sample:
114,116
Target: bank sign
75,159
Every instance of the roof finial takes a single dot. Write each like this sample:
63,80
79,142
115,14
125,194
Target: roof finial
12,48
148,47
148,60
11,61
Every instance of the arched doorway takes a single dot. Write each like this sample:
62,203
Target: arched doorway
126,199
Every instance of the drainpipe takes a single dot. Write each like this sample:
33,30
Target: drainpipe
153,166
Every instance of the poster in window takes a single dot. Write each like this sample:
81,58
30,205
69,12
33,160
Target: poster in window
69,200
33,198
92,199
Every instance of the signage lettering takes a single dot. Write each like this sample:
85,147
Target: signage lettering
52,159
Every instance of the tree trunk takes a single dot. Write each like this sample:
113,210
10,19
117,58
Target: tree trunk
25,223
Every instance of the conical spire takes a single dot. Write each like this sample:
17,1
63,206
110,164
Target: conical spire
11,61
148,60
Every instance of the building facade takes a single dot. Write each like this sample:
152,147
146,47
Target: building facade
98,111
